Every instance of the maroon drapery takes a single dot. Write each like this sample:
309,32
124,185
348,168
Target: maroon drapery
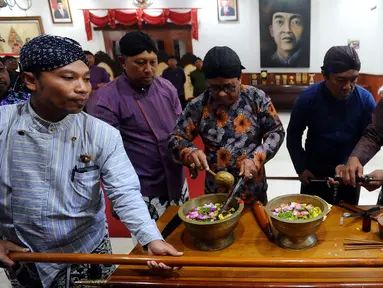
138,16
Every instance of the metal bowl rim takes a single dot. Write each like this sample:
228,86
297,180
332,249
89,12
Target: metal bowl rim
324,212
236,213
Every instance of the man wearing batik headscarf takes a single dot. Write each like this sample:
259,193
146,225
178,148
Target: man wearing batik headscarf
336,111
53,156
144,108
238,124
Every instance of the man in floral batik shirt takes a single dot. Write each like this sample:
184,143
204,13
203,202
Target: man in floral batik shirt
238,124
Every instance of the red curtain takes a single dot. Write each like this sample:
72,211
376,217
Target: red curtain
138,16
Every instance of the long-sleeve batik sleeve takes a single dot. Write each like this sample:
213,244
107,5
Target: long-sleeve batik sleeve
186,130
272,129
122,187
372,138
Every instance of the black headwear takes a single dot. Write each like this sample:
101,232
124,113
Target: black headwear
48,52
86,52
340,59
136,42
222,62
301,7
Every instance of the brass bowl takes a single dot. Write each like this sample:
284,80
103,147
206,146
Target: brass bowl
297,234
211,236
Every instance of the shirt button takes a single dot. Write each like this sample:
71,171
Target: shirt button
21,132
52,130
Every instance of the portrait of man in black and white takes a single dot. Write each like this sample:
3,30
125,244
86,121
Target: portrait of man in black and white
285,33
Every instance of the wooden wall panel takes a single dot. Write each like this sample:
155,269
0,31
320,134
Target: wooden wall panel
368,81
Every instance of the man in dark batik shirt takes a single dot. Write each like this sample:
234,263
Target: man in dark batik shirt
238,124
9,96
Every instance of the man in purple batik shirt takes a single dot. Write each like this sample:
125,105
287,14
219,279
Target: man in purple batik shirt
98,75
145,109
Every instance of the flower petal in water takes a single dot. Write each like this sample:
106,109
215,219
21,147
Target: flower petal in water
193,214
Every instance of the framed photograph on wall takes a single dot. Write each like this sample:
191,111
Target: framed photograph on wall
285,33
60,11
227,10
16,31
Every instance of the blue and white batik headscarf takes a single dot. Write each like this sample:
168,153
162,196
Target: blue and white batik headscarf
48,52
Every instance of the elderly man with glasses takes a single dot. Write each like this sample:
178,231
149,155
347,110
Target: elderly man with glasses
238,124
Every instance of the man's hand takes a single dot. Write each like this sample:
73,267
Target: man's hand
248,169
349,171
159,247
305,176
5,248
198,158
373,185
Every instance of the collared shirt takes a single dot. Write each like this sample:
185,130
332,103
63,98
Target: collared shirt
14,97
249,129
334,127
291,61
49,207
145,118
98,75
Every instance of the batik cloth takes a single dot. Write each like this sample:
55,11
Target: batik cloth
25,275
249,129
48,52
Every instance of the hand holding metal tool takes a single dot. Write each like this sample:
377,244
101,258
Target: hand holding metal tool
231,196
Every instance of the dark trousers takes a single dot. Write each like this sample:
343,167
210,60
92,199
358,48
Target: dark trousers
346,193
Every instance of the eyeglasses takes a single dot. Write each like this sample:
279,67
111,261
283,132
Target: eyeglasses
215,89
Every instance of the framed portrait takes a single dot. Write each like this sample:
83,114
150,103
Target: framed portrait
16,31
227,10
60,11
285,33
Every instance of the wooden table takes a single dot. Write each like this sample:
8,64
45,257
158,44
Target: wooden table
251,242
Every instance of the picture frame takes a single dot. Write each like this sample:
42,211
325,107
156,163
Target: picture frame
281,49
16,31
60,11
227,10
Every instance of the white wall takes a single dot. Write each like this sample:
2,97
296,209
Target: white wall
333,22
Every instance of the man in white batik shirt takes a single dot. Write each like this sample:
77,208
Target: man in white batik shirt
52,156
